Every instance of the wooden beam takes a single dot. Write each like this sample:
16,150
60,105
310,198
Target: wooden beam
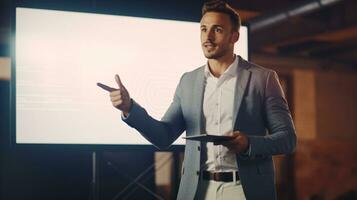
338,35
273,60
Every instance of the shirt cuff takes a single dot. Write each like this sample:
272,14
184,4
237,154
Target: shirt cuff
123,116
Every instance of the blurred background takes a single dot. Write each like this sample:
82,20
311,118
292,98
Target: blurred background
311,44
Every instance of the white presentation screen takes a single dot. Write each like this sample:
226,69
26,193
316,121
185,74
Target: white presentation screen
60,56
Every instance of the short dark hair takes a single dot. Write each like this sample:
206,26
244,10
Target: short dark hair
222,7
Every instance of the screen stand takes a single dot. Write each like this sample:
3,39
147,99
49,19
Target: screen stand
94,183
135,181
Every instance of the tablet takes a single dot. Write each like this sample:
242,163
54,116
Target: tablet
209,138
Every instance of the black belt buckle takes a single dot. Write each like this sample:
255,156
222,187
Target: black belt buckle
220,176
216,176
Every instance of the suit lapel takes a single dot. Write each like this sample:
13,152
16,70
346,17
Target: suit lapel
241,85
198,90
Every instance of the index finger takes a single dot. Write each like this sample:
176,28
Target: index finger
105,87
118,80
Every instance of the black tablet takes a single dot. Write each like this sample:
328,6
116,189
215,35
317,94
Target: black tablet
209,138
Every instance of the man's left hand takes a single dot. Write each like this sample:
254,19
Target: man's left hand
239,143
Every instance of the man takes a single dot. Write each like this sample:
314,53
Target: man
227,96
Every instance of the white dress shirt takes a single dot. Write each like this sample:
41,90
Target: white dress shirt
218,117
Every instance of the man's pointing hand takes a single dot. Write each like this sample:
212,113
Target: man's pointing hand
120,97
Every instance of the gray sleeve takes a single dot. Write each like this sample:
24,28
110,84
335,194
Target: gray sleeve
281,138
161,133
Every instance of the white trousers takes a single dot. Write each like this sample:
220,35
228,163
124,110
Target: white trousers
216,190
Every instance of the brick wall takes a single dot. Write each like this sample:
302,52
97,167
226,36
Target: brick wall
325,163
336,105
326,168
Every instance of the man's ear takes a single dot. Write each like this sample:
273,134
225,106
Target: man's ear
235,37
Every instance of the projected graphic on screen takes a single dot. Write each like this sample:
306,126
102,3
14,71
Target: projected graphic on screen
60,56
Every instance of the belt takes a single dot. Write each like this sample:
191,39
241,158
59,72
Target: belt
220,176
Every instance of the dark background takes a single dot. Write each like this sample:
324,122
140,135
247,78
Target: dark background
315,55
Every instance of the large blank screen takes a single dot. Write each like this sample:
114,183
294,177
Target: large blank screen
60,56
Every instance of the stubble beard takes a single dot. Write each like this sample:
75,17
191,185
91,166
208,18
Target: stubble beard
215,55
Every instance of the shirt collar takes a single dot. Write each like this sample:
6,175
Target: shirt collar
230,71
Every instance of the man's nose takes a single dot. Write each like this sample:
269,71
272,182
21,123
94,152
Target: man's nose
210,35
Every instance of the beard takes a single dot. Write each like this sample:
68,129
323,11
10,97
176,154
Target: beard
216,53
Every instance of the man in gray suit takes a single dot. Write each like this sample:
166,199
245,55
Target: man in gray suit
226,96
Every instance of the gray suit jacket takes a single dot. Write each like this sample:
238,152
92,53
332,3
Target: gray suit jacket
260,111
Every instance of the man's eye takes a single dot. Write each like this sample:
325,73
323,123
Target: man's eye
203,29
218,30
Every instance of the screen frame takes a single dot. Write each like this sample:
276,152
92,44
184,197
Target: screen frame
91,147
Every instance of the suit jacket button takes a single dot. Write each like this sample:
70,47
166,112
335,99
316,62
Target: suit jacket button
199,148
198,173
